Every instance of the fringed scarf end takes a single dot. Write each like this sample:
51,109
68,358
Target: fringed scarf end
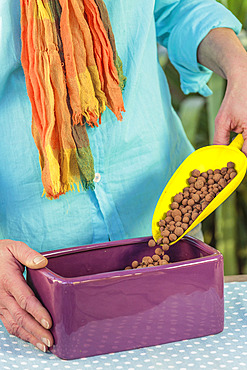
91,118
84,184
88,185
119,67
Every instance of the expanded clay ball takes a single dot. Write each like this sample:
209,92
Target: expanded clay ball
134,264
201,178
178,231
165,233
151,243
191,202
162,223
199,184
163,262
169,213
230,165
222,182
227,176
209,197
233,174
204,205
178,198
166,257
185,202
159,251
176,212
184,226
168,219
165,247
191,180
196,197
172,237
159,240
217,177
155,257
195,173
194,216
186,219
171,229
174,205
147,260
165,240
217,171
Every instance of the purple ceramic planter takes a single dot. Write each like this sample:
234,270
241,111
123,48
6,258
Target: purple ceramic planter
97,307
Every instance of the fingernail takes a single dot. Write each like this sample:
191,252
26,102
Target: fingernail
46,341
45,323
41,347
38,259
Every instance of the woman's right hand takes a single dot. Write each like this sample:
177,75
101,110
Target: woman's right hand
20,311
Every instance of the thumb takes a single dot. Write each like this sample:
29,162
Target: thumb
221,134
244,148
27,256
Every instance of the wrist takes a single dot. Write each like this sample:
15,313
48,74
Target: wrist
236,71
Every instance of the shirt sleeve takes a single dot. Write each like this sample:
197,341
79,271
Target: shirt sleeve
181,26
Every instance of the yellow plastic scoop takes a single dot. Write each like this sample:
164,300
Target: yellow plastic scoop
203,159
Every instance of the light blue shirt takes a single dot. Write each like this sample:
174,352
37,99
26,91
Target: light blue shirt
134,158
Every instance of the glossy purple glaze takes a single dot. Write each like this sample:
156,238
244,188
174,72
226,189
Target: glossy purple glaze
97,307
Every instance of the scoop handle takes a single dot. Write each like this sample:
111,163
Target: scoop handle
238,142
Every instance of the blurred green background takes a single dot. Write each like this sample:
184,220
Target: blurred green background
226,228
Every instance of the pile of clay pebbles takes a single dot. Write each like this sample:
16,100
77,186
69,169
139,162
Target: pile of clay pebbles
187,205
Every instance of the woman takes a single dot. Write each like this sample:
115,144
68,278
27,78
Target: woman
132,159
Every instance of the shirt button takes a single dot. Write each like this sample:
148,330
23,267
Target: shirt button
97,177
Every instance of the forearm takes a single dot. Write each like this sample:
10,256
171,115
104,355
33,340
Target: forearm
222,52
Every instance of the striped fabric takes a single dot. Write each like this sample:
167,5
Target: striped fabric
73,72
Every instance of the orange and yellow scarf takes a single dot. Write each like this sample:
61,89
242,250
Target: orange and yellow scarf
72,73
